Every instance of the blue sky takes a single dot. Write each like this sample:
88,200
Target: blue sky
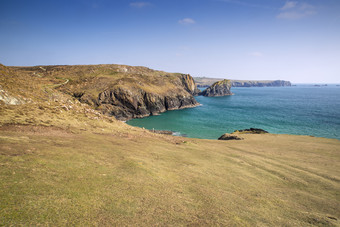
241,39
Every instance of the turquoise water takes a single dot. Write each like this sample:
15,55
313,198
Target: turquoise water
300,110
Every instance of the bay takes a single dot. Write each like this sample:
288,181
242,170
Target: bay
298,110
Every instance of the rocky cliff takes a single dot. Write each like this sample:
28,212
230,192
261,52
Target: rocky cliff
189,84
125,103
125,92
219,88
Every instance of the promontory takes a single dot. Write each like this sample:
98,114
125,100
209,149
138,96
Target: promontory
207,81
122,91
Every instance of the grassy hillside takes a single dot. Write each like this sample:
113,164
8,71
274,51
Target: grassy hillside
96,78
118,90
63,163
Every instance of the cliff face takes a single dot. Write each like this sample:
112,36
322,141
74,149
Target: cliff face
220,88
127,102
251,83
124,103
122,91
189,84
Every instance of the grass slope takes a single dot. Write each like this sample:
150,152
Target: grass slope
63,163
54,177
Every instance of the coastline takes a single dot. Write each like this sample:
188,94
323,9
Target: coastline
257,108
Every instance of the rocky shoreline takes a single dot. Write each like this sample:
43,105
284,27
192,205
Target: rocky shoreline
128,104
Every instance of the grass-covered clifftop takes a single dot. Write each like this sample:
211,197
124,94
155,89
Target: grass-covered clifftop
64,163
122,91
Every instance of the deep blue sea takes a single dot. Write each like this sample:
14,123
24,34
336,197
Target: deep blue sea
299,110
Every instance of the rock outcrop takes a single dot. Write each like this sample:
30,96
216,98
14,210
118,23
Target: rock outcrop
250,131
189,84
228,136
9,100
219,88
126,103
235,135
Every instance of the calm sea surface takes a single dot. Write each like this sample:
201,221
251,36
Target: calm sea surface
300,110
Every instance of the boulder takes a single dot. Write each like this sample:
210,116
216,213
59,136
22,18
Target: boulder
228,136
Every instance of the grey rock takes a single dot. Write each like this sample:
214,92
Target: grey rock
219,88
227,136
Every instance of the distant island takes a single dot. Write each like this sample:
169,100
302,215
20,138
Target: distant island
206,82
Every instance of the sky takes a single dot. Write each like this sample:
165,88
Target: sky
237,39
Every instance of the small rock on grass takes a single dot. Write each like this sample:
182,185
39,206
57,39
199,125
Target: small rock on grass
228,136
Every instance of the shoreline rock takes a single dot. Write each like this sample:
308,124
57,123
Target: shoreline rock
250,131
235,135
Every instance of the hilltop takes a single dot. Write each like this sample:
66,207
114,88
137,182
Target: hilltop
63,161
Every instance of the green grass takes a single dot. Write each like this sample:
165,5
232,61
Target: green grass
225,81
139,178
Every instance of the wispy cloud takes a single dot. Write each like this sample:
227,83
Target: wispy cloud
139,4
244,3
289,5
294,10
187,21
256,54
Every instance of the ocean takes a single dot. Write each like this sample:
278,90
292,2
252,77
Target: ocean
299,110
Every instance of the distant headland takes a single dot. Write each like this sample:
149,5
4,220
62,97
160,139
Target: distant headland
206,82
